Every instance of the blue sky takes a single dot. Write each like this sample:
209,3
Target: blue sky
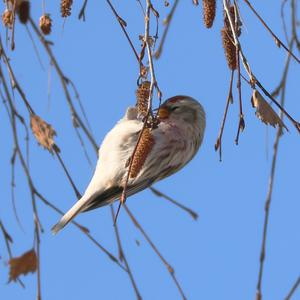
216,257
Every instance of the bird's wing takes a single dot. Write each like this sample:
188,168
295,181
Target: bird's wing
114,193
111,171
88,203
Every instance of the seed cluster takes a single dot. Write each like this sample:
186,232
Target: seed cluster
144,147
65,8
142,96
7,18
45,24
209,12
23,11
228,41
229,48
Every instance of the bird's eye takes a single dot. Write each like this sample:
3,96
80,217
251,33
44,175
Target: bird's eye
174,108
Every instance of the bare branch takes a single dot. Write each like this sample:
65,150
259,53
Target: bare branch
218,144
277,40
81,14
167,23
123,24
270,189
152,245
158,193
122,256
293,289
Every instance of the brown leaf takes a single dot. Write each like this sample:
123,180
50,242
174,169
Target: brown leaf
22,265
264,111
43,132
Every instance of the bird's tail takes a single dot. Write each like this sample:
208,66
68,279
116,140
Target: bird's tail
72,213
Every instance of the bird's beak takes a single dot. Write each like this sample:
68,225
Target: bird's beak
163,113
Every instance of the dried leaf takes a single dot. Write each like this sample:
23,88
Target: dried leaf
264,111
43,132
22,265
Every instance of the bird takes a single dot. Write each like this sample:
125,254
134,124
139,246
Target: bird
174,142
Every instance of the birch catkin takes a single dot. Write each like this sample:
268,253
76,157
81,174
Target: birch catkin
209,12
229,48
65,8
144,147
142,97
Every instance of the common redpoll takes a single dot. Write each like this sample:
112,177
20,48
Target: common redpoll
176,140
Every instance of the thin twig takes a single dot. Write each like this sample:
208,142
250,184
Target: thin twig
81,14
123,24
253,80
158,193
277,40
241,124
12,45
293,289
81,141
35,48
83,229
13,185
33,190
152,245
122,256
267,212
64,81
218,144
13,80
37,246
77,119
56,151
167,23
81,107
8,240
270,191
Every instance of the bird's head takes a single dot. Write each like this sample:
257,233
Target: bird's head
184,109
